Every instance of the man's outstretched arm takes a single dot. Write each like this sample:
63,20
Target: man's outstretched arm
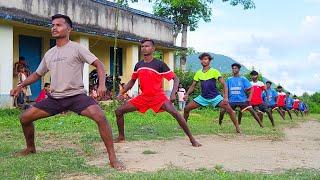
30,79
225,88
101,76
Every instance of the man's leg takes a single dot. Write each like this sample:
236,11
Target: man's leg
288,110
296,112
232,114
26,120
259,110
260,114
240,116
281,113
221,115
95,113
269,113
301,113
254,114
120,111
190,106
167,106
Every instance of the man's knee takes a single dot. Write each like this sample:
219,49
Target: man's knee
225,108
118,112
99,117
25,118
173,112
187,109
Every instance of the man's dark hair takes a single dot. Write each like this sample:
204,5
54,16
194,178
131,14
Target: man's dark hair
147,39
203,55
66,18
20,67
236,64
288,93
46,84
22,58
294,96
254,73
269,82
279,87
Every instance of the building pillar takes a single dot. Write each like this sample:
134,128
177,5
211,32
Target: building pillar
6,65
84,41
132,57
168,58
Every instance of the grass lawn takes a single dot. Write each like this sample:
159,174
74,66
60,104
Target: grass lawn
80,134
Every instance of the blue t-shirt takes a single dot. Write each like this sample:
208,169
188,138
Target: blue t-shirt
237,87
289,102
272,96
302,106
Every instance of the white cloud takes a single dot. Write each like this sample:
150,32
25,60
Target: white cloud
310,23
289,56
314,57
313,1
144,5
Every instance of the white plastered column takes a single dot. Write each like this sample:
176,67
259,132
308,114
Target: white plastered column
6,65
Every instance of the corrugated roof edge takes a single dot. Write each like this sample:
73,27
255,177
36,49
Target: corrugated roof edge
46,22
135,11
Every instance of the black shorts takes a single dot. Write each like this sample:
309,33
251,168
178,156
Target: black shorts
242,105
260,107
273,107
76,103
287,108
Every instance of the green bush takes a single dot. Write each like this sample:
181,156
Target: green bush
312,101
186,79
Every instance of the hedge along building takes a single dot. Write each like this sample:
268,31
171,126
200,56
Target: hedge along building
25,31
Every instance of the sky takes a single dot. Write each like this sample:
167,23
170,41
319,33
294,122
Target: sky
280,39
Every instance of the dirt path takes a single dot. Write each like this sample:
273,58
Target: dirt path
299,149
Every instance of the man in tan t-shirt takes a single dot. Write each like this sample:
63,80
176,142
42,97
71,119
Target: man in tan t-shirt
65,61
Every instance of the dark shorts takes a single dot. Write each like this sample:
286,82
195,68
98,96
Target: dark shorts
260,107
76,103
287,108
242,105
273,107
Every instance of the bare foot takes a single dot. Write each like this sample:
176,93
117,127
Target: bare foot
119,140
25,152
239,131
195,144
118,165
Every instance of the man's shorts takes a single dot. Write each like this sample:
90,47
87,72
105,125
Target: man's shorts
206,102
261,107
76,103
242,105
143,102
273,107
288,108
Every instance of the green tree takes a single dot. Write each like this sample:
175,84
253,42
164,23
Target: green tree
186,14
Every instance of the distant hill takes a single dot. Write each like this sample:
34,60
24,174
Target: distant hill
220,62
